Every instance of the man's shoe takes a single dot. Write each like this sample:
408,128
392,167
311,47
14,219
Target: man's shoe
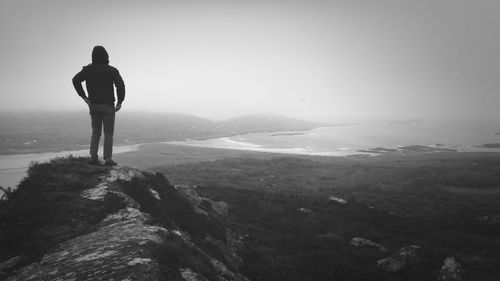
110,163
94,161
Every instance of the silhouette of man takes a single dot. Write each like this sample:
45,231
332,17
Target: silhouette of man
99,78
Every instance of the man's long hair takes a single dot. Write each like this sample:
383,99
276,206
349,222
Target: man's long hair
99,55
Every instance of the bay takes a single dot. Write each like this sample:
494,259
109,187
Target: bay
465,136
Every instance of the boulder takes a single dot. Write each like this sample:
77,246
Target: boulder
189,275
201,204
358,242
220,207
451,270
490,219
305,210
337,200
402,258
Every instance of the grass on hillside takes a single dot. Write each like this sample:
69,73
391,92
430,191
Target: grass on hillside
408,207
47,208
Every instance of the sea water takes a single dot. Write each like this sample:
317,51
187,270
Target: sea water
338,140
343,140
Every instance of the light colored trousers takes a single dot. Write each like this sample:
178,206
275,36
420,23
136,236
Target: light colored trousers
102,115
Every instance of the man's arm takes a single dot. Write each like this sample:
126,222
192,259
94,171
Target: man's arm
77,83
120,89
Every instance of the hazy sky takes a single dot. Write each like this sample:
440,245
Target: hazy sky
309,59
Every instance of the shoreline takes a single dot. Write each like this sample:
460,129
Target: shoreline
297,151
198,141
226,143
149,155
13,165
64,148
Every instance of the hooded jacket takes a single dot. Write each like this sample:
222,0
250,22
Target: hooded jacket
99,78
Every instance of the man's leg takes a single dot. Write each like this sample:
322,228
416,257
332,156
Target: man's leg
97,119
109,127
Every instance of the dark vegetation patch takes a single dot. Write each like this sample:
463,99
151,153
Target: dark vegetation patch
285,244
406,188
396,204
47,208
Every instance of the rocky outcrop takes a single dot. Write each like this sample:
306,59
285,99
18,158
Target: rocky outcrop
305,211
490,219
122,247
359,242
402,258
149,232
201,203
410,149
451,270
220,207
337,200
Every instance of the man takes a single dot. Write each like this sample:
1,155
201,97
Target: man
99,78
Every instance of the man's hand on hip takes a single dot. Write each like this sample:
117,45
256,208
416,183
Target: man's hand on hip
118,107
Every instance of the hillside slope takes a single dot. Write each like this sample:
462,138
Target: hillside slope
298,230
72,221
278,219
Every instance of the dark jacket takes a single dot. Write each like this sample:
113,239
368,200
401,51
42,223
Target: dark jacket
99,79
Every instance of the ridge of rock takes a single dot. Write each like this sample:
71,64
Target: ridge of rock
149,231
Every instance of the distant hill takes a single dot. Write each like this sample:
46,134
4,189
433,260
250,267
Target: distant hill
266,123
57,131
414,121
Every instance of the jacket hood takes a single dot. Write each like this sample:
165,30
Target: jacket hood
100,55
